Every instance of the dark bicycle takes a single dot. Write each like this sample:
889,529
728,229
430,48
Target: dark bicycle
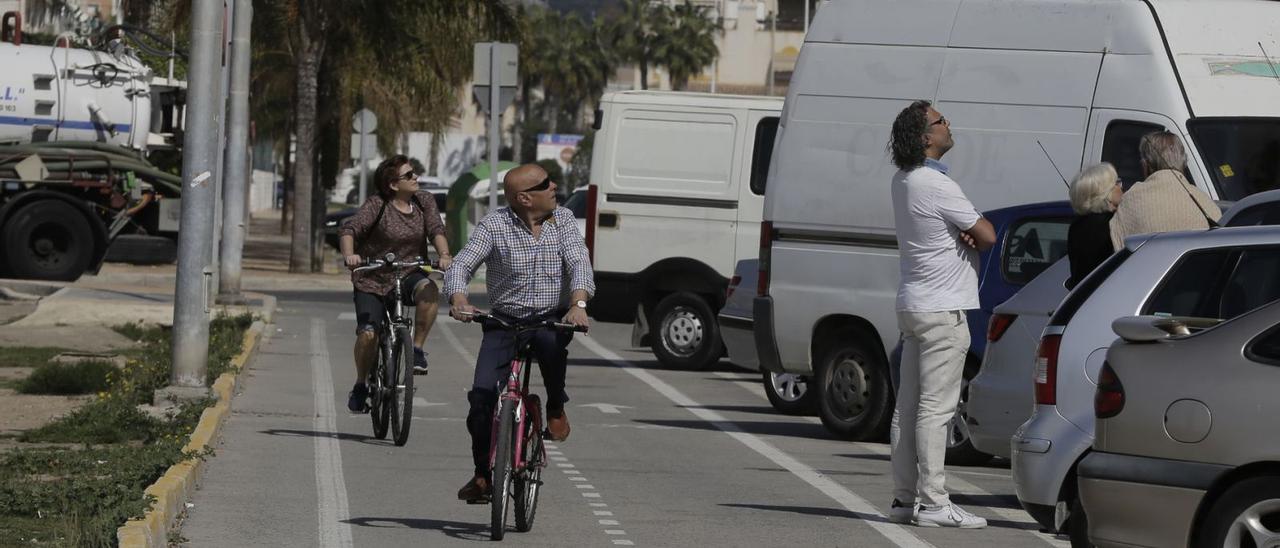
517,455
390,381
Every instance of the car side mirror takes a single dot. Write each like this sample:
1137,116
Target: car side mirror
1139,329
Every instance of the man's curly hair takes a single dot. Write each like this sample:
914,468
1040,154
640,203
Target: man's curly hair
906,143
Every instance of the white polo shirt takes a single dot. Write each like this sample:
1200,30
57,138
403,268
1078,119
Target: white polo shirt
937,272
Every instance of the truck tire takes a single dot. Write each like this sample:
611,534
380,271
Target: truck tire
48,240
855,396
685,333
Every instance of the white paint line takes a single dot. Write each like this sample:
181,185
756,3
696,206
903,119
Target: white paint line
420,401
560,459
846,498
608,522
614,532
591,495
565,465
572,471
555,453
585,486
456,343
1016,516
347,317
597,505
983,474
331,488
602,513
578,478
623,542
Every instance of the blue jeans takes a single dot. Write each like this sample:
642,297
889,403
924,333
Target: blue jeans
493,366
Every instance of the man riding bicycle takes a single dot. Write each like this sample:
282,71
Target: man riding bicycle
401,221
538,269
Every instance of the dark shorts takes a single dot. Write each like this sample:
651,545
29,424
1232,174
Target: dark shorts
371,308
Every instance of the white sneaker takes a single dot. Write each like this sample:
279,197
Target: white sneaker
948,516
902,513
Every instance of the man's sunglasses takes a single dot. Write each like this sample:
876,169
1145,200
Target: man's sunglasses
545,184
940,120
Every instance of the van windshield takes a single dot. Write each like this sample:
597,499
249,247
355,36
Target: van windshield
1241,154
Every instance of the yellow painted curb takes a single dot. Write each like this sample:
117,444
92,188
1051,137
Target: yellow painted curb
178,484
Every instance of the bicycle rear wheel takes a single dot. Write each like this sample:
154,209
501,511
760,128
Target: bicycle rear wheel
401,386
503,467
529,481
379,411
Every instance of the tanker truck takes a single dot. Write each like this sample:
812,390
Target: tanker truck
76,125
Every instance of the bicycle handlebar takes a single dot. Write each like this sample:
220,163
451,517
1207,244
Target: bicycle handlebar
390,261
486,317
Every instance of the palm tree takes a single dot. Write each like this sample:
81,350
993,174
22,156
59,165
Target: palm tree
690,44
636,33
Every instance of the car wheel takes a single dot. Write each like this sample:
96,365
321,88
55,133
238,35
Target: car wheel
1078,526
790,394
687,335
960,449
48,240
1247,514
854,397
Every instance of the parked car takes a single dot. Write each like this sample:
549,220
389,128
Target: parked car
1218,274
1029,238
1178,463
1000,395
334,221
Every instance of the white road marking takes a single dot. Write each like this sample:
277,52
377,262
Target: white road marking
606,408
456,343
420,401
331,488
849,500
347,317
1016,516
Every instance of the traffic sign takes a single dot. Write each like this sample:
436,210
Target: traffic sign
364,121
507,57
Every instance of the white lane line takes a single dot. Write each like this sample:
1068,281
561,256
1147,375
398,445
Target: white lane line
592,493
1016,516
347,317
846,498
331,488
456,343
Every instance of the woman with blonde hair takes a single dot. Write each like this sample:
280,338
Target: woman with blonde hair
1095,193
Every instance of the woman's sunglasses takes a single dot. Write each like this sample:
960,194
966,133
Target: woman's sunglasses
407,176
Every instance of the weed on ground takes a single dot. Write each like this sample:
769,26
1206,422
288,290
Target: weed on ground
27,356
68,379
80,496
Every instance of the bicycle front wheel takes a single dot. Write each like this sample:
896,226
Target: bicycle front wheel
528,482
503,467
379,411
401,387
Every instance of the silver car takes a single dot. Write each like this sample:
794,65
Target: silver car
1186,446
788,393
1166,274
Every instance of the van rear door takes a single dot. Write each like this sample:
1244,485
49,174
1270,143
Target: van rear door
762,129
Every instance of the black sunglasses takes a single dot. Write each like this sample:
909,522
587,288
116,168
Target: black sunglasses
408,176
545,184
940,120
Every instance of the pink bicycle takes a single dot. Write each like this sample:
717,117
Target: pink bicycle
517,455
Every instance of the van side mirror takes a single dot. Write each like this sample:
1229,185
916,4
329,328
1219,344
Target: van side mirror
1139,329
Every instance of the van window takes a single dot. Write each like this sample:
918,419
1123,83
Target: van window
1032,246
1267,347
1086,287
1219,283
1241,154
1120,148
761,152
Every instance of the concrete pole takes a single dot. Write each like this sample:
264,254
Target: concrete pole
364,163
806,17
220,134
773,28
236,182
495,135
195,240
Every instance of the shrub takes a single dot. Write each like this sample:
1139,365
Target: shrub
87,377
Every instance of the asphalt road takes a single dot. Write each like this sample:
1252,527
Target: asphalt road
657,457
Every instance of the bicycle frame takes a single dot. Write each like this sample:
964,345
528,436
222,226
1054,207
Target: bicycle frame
517,391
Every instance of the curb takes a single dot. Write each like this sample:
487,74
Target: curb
178,484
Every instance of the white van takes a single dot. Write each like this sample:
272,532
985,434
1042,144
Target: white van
1084,79
676,195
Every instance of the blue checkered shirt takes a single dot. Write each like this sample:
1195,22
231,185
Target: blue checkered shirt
526,277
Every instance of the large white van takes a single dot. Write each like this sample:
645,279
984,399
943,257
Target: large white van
1084,79
676,197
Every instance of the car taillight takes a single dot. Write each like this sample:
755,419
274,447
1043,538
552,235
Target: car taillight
1047,370
998,325
1109,399
592,192
766,243
733,284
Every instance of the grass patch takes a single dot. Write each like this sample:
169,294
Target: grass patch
68,379
80,496
28,356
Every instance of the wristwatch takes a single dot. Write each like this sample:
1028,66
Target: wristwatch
581,304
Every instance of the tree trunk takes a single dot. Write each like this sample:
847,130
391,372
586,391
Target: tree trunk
644,73
310,52
287,207
553,104
433,165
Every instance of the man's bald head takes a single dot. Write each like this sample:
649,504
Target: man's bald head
521,179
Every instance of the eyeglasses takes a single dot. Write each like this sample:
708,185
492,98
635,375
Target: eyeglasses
942,120
407,176
545,184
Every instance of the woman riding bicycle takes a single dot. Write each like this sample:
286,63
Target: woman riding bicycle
401,221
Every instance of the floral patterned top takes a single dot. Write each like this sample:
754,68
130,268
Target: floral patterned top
406,235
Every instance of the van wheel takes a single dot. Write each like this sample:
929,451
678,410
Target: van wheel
1078,526
854,397
686,335
790,394
960,449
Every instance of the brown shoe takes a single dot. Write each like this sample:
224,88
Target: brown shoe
475,491
557,425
